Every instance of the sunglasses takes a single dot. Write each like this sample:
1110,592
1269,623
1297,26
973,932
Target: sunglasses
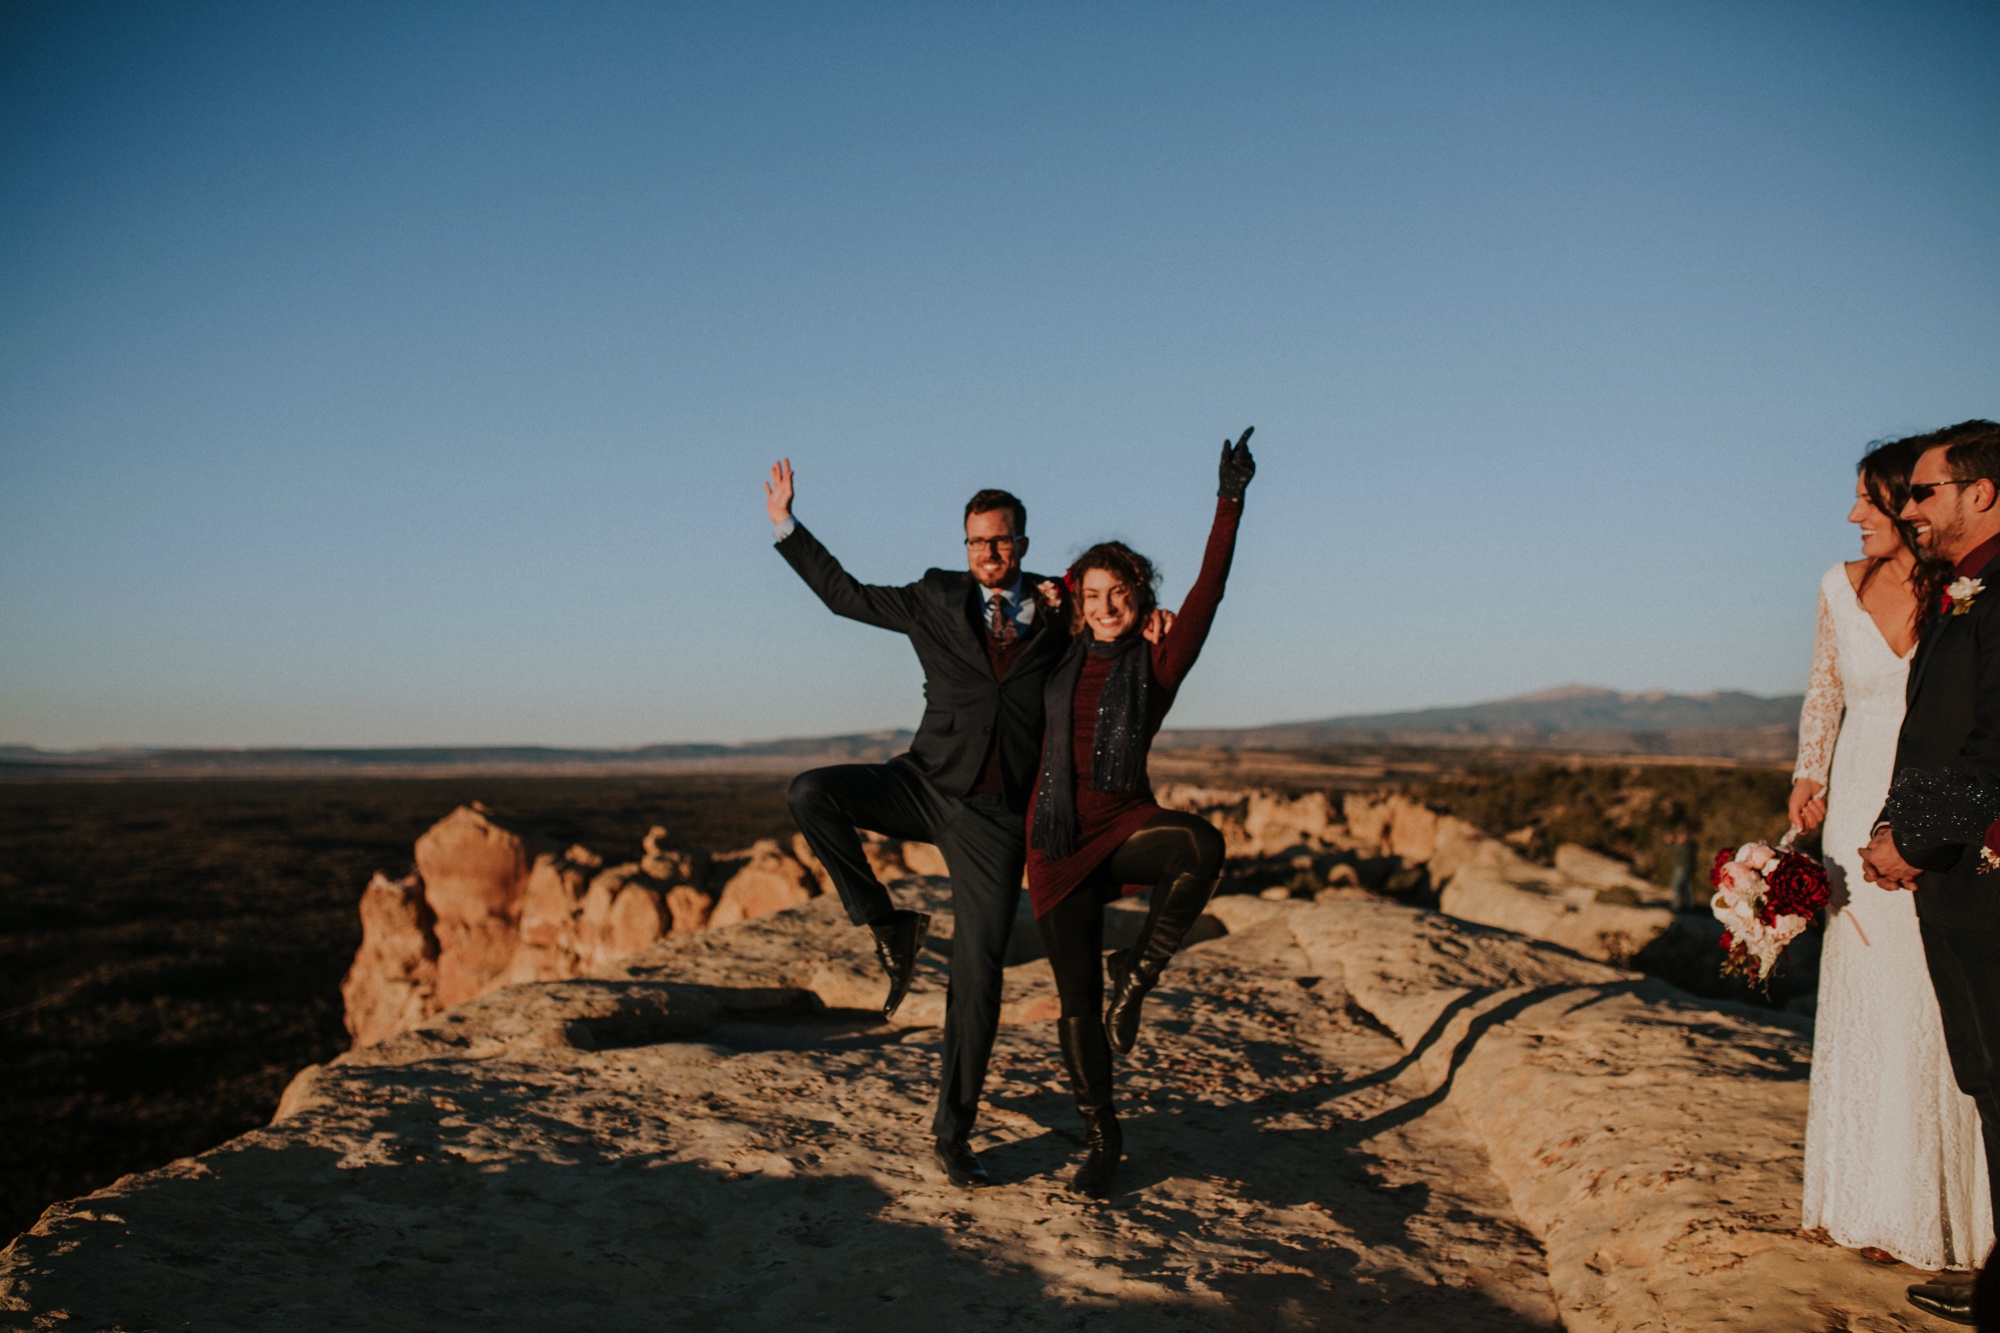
1920,491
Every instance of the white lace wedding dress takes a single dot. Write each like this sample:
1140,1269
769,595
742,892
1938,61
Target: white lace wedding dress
1893,1151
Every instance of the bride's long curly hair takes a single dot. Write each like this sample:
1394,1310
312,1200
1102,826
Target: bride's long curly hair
1885,474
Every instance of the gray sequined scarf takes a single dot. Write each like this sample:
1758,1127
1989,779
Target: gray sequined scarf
1118,754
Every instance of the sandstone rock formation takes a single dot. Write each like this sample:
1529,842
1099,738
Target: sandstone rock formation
392,984
474,872
489,906
1496,886
1343,1114
548,946
771,880
1587,902
507,911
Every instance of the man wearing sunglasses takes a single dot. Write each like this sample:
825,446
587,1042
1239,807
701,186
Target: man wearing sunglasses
987,648
1952,723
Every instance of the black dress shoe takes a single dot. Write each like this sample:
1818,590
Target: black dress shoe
959,1163
1946,1300
898,938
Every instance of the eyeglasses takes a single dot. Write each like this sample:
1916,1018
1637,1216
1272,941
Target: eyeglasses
998,545
1921,491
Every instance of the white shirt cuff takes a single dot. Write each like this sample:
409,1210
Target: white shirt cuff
780,531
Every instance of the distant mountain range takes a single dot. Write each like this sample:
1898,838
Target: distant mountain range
1573,718
1585,718
25,761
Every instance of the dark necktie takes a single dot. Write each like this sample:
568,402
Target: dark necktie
999,625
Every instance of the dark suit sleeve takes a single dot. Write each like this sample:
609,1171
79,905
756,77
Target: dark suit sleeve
844,595
1981,751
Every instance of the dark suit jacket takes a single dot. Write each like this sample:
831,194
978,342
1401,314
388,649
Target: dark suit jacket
963,704
1952,720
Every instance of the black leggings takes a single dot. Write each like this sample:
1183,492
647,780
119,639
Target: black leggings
1167,846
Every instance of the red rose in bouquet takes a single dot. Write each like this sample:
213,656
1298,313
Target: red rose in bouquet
1765,897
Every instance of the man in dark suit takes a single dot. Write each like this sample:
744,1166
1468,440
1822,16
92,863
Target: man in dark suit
987,644
1952,721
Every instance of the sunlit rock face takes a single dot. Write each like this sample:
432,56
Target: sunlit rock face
771,880
492,905
392,984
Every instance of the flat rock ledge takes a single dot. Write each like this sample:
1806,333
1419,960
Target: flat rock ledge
1343,1114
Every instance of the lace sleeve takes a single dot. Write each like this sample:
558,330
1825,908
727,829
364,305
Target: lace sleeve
1819,720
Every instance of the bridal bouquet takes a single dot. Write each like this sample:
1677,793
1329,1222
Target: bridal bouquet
1765,896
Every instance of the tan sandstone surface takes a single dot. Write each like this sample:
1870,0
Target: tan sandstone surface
1343,1113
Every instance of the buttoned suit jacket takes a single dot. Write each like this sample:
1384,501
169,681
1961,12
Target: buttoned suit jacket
964,705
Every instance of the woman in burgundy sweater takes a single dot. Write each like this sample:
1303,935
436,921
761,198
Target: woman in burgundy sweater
1095,830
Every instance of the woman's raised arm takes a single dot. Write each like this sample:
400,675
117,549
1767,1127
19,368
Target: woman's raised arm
1175,655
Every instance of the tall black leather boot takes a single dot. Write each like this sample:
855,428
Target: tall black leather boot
1177,905
1089,1060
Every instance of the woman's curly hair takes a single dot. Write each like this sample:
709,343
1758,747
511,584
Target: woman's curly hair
1135,571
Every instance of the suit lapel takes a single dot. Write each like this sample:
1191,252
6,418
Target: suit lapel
1922,659
1048,621
1937,630
960,628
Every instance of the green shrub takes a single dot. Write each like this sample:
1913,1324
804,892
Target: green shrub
1622,810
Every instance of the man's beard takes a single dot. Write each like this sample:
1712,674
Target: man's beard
1942,540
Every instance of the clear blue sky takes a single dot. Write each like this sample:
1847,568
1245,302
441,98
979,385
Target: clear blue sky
406,373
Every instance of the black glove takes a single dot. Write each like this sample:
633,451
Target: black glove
1237,467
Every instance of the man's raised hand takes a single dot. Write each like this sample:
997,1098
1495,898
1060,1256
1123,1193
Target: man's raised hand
778,492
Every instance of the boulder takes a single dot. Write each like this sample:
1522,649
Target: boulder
921,858
475,876
802,850
1275,824
1222,807
638,918
1496,886
885,857
669,864
392,983
611,928
771,880
889,858
1613,879
548,947
689,907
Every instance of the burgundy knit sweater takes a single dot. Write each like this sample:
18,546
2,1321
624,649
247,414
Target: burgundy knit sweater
1106,819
